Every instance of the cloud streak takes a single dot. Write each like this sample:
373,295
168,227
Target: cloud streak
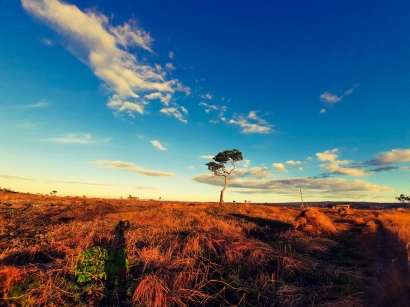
14,177
130,167
73,138
79,182
158,145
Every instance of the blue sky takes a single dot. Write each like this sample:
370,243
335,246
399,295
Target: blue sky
112,98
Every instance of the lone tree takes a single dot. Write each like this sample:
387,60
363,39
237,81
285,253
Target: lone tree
404,199
219,169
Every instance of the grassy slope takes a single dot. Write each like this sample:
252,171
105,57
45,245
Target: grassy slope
200,254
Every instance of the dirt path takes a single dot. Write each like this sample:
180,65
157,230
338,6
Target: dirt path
390,283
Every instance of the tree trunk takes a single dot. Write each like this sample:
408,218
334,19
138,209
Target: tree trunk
221,198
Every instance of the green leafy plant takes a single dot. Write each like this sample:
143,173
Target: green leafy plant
100,263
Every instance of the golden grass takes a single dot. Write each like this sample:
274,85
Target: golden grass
183,254
313,221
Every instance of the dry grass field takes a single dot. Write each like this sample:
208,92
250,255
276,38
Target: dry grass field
198,254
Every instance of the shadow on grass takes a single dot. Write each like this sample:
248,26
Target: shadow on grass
43,256
116,283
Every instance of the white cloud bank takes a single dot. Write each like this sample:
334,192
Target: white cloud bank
287,185
390,157
334,166
130,167
104,48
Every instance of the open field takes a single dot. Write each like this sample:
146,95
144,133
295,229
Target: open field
199,254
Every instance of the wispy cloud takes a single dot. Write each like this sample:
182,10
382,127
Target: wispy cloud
79,182
14,177
207,157
330,99
47,42
130,167
105,49
146,188
171,55
158,145
297,164
210,107
164,98
207,96
170,66
40,104
262,126
384,169
390,157
175,113
73,138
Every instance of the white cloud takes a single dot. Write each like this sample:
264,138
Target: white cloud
245,162
389,157
174,112
130,167
207,96
105,49
328,155
40,104
207,157
334,165
261,127
190,167
171,55
252,115
210,107
165,99
170,66
73,138
184,110
330,98
158,145
297,164
279,166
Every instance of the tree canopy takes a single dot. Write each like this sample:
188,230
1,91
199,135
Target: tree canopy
222,158
218,166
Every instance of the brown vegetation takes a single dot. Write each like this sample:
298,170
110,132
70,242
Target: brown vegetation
196,254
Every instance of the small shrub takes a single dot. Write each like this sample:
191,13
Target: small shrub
100,263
